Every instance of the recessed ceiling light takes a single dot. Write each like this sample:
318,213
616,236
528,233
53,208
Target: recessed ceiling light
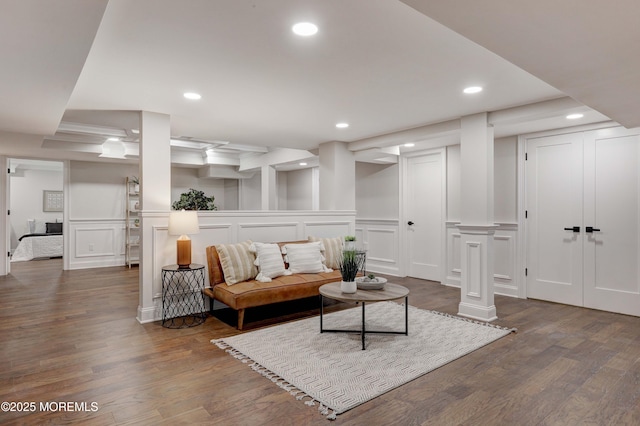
303,164
305,29
113,139
409,145
342,125
472,89
193,96
574,116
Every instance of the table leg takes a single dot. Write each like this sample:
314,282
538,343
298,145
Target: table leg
321,311
363,330
406,315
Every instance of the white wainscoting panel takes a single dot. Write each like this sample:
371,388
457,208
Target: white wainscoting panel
474,267
505,246
454,254
327,229
380,238
95,243
266,231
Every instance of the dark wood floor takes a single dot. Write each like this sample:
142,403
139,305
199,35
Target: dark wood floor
71,336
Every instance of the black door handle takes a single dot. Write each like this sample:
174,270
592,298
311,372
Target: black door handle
410,223
591,229
573,228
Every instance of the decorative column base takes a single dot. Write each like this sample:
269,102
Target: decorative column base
476,278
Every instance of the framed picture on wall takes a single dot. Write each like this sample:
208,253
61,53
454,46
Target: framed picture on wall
52,201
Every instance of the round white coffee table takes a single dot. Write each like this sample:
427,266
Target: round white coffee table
389,292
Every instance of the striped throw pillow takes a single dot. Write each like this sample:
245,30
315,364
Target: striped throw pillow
237,262
332,250
269,261
305,258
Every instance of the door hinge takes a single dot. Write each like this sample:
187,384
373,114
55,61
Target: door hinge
526,156
9,254
526,214
8,212
526,272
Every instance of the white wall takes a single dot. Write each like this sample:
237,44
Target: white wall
95,220
299,190
377,189
377,216
505,180
281,184
26,198
97,190
251,193
231,194
453,183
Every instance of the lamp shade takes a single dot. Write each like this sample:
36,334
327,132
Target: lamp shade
183,222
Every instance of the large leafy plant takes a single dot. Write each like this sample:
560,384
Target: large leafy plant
194,200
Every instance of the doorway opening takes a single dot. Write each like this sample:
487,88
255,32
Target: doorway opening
36,210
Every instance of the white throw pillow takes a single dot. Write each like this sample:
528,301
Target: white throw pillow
269,261
40,227
305,258
332,250
237,262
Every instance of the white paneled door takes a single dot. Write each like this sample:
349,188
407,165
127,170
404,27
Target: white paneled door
424,214
583,225
554,208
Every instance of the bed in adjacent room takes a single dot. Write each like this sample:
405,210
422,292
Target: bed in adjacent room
36,245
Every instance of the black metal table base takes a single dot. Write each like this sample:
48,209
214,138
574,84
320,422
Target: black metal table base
363,331
183,303
185,321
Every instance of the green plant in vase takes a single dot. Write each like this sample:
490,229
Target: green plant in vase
350,263
350,242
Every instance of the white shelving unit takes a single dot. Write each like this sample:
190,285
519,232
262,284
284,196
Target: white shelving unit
132,223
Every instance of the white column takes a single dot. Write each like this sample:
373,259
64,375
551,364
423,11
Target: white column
155,202
269,188
477,223
337,177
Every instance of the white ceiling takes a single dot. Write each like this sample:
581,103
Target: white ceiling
380,65
586,49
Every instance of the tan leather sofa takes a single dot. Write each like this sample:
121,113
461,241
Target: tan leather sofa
252,293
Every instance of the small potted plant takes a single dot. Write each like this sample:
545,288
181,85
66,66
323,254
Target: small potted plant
350,242
350,263
136,184
371,282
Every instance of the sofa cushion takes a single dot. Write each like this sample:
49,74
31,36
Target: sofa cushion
269,261
237,262
304,258
287,287
332,250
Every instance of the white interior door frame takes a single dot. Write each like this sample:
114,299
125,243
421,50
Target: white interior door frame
403,203
5,245
66,234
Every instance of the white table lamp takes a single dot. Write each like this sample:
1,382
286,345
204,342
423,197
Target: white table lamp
183,223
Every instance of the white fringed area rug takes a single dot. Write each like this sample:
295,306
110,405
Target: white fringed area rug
332,370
